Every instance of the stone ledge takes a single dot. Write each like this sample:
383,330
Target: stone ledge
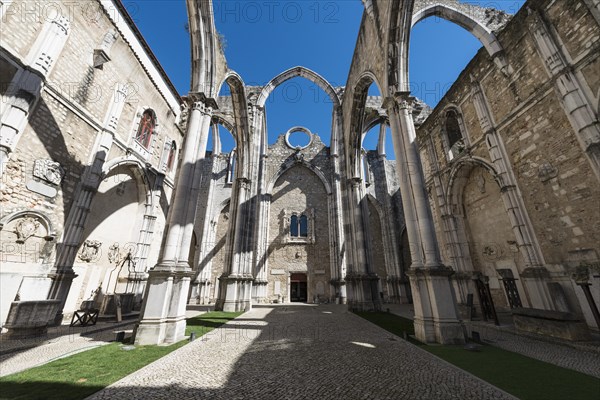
556,324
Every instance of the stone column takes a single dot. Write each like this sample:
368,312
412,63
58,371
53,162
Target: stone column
188,230
436,315
62,275
339,259
579,111
456,242
162,317
362,277
535,274
238,281
27,84
262,264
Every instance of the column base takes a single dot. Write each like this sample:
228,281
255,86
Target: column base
61,285
362,292
163,311
236,293
436,316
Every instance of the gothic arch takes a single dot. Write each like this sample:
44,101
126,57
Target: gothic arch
286,167
221,119
463,19
357,119
293,73
369,124
480,21
458,177
240,128
138,168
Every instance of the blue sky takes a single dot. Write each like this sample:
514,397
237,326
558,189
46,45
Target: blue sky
264,38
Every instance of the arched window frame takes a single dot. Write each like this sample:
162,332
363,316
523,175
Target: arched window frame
168,160
296,232
459,147
144,150
172,156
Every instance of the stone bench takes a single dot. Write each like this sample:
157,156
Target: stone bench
562,325
30,318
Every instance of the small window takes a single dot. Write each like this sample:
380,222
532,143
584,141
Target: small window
299,226
455,139
303,226
294,226
146,128
171,159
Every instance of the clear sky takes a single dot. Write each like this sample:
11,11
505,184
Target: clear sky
264,38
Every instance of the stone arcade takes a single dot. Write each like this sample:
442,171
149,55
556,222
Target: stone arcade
514,145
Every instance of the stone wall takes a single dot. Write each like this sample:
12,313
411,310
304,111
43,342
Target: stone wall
531,132
74,122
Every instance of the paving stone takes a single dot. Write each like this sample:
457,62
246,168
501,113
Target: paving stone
300,352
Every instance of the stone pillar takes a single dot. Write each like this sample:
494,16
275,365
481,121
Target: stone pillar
570,93
27,84
361,277
162,317
188,230
62,275
237,282
436,314
339,259
262,264
536,273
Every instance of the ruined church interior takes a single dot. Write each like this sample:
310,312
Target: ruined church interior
137,202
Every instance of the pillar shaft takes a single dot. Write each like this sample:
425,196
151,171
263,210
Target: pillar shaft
436,315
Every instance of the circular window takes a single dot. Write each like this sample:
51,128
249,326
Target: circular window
298,138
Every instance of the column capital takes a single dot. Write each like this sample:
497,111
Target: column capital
199,101
244,183
401,101
355,182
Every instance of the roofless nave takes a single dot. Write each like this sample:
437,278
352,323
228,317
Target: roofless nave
501,175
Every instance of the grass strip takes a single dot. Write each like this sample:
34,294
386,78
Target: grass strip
82,374
521,376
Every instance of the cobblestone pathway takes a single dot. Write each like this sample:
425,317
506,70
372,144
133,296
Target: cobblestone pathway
300,352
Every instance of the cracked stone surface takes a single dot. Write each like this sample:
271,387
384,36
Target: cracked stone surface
300,352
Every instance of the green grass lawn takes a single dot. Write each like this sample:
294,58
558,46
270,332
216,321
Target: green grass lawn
521,376
80,375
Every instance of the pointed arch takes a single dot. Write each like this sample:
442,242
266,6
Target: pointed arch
241,131
458,177
483,33
293,73
221,119
286,167
357,120
137,167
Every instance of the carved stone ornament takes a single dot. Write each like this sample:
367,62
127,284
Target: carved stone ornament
547,171
114,255
49,171
90,250
581,274
481,183
26,228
